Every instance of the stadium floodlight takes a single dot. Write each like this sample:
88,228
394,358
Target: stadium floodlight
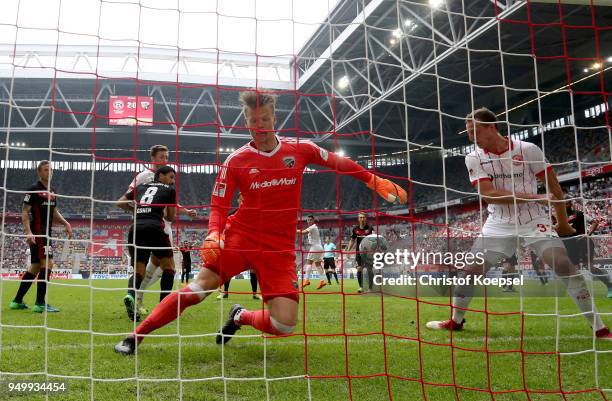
343,82
609,59
392,41
397,33
436,3
586,70
340,153
596,66
410,25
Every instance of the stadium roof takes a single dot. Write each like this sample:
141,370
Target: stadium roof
403,70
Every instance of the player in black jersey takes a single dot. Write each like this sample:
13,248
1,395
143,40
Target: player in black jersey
581,247
509,271
153,202
539,268
186,263
360,231
38,214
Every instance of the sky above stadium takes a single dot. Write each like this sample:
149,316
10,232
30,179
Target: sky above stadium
264,27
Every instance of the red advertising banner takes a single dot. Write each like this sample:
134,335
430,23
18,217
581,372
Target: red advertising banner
124,110
595,171
108,243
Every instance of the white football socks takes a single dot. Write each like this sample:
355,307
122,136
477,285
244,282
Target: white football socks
578,291
463,295
152,275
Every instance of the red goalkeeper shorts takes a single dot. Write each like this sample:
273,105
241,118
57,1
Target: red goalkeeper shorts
276,269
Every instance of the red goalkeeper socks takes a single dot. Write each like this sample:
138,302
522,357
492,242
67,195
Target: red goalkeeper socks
168,310
259,319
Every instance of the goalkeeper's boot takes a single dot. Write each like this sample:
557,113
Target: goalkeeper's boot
445,325
604,334
18,305
130,308
230,327
40,308
126,347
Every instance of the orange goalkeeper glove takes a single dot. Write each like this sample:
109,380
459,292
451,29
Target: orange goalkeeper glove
388,190
211,248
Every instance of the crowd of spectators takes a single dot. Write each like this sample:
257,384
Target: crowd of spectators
434,179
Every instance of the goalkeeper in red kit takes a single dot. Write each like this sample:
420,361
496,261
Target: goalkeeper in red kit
260,235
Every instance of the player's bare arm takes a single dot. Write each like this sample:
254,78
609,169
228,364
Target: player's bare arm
192,213
492,195
593,227
557,200
59,219
171,213
25,220
125,203
351,245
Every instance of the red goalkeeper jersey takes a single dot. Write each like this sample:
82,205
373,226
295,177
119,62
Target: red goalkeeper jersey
270,184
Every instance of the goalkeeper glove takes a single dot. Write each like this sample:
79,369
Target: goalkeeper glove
211,248
388,190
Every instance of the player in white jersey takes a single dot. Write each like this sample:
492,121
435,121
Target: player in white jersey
315,254
506,172
159,157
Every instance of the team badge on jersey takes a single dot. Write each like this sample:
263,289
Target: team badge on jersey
517,160
289,161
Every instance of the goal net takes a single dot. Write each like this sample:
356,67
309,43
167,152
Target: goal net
93,85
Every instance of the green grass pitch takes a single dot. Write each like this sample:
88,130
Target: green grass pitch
191,368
